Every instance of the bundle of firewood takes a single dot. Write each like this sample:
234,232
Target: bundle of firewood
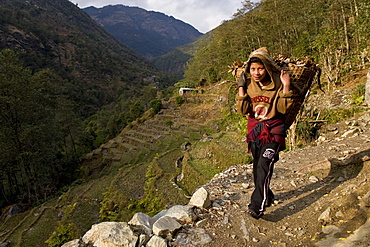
236,68
302,72
284,61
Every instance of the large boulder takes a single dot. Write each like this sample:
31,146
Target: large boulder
5,244
13,210
166,226
111,234
182,213
201,198
142,223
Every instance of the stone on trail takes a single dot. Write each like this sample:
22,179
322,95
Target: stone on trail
201,198
111,234
366,200
165,226
142,222
182,213
325,216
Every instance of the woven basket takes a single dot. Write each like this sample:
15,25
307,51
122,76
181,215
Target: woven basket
301,79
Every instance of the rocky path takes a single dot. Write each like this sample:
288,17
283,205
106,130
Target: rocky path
322,192
321,195
322,199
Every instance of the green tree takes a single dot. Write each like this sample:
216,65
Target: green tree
334,33
156,105
169,123
34,141
136,109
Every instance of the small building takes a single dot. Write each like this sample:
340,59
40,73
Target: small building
185,90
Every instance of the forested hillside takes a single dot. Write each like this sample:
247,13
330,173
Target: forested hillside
175,61
335,33
66,86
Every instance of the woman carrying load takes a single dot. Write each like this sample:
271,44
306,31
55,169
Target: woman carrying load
264,96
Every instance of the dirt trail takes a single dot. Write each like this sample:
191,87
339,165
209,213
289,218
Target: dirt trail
321,195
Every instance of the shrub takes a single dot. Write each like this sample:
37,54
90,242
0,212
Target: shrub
108,208
156,105
63,234
358,97
169,123
179,100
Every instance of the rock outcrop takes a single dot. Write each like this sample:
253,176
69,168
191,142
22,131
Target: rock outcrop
318,191
143,230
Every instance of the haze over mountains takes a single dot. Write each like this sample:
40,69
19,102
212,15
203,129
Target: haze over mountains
149,33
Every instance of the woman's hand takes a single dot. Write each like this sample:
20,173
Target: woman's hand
285,80
241,91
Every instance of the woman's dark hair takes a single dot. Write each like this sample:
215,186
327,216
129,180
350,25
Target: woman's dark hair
254,60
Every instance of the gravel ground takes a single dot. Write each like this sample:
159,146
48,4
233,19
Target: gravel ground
321,193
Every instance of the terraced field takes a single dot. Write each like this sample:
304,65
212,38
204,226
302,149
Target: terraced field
149,166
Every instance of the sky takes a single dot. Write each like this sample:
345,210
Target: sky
204,15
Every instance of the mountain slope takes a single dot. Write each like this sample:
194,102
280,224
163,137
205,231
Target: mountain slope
135,171
174,62
147,32
60,36
66,86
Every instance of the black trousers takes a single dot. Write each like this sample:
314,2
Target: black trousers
264,159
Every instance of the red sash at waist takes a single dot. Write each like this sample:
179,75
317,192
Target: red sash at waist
262,132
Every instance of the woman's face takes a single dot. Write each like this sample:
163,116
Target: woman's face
258,72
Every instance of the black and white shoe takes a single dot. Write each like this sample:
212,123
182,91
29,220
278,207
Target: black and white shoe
253,214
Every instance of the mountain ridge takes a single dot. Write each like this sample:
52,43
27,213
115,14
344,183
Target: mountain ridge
150,33
70,41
